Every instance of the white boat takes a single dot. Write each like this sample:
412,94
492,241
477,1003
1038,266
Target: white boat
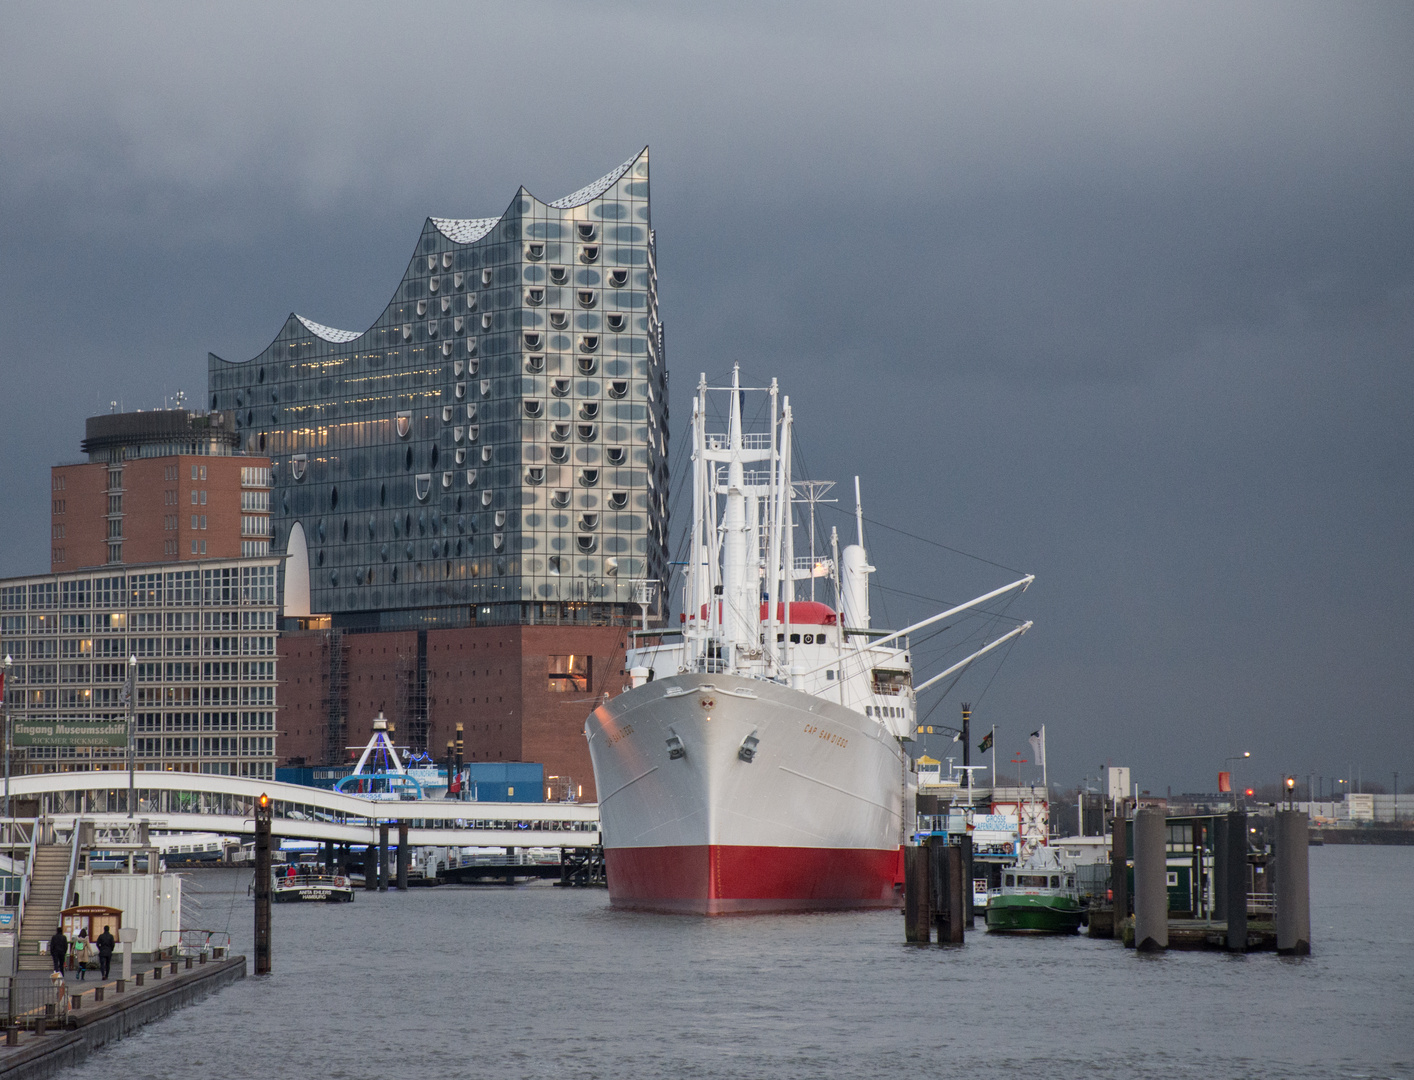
757,763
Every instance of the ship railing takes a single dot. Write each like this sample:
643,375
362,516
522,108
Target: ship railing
192,941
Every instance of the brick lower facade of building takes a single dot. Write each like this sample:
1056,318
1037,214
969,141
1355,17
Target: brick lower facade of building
521,693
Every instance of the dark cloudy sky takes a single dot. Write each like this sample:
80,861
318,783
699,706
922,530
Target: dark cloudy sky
1119,294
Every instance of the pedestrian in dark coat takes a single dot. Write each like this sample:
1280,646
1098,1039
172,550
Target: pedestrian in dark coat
58,949
105,945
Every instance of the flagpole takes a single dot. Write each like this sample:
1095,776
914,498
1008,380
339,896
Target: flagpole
1045,783
994,762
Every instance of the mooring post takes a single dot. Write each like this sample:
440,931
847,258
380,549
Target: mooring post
1293,885
370,867
1220,859
1119,868
1151,893
968,870
382,856
917,890
1237,880
262,885
958,887
404,855
329,866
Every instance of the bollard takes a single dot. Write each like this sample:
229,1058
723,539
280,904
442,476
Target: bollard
121,986
1237,878
201,959
157,972
917,911
188,963
137,979
75,1000
38,1027
97,994
218,952
953,900
1293,886
12,1034
1151,894
174,967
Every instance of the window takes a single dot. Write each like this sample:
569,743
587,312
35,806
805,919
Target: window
570,674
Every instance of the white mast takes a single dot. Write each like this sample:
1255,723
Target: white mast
854,574
737,583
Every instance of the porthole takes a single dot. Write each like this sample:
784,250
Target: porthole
486,453
421,308
533,340
588,365
345,530
618,500
559,432
559,275
589,253
535,364
434,455
471,301
618,278
588,432
616,323
334,498
319,558
588,477
616,455
588,522
407,459
534,252
589,343
534,409
560,387
447,306
382,500
559,454
431,327
534,297
486,276
618,388
432,262
586,230
559,320
560,500
587,544
487,320
589,410
587,298
446,260
433,284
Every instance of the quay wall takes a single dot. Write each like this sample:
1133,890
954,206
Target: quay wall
119,1015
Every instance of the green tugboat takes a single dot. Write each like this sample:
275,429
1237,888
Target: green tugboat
1037,896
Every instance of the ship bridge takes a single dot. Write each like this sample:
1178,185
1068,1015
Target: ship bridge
198,802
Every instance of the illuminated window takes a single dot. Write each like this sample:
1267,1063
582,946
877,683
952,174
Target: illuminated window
570,674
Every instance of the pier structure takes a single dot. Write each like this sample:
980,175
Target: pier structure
198,802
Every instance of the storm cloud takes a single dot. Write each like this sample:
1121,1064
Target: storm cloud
1121,295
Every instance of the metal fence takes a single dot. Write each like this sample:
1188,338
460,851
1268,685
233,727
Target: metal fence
24,1000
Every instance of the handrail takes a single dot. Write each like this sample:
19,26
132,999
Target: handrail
29,876
73,861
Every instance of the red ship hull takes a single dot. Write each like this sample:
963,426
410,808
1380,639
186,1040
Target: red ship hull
726,879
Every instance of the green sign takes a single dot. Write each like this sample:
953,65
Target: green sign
70,733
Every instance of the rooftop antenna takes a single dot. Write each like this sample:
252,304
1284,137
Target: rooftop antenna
112,406
858,513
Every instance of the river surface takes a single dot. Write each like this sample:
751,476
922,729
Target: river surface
538,981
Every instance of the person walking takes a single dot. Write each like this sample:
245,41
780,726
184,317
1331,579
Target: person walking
58,950
80,949
105,952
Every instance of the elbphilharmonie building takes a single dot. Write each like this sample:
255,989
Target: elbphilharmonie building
492,450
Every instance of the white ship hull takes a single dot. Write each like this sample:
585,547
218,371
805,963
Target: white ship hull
815,819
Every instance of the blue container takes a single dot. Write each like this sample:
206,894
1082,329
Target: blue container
511,781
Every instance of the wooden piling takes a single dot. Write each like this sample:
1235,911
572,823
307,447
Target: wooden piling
404,855
1293,884
917,909
370,867
263,814
970,914
1220,867
1237,875
1119,865
954,898
382,856
1151,894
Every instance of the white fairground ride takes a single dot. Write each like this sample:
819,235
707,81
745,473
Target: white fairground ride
740,613
382,775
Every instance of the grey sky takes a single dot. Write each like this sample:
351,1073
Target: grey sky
1117,294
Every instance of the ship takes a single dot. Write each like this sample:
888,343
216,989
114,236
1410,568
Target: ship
758,760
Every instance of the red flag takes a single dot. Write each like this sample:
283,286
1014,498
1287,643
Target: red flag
1224,782
456,785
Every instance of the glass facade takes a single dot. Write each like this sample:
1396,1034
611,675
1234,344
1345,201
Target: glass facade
494,446
203,636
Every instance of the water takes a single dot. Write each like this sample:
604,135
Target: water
540,981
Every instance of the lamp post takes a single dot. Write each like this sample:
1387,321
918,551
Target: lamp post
131,690
1236,757
9,663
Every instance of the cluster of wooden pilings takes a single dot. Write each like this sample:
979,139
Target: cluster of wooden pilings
937,877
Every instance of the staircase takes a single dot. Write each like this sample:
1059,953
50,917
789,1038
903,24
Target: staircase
42,907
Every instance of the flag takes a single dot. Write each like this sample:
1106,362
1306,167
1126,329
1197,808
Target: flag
455,787
1038,746
986,743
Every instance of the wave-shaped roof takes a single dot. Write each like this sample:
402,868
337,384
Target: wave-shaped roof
464,230
594,190
328,333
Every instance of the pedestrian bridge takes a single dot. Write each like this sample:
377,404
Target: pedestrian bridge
197,802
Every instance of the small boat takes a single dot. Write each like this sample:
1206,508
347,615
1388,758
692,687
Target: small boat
312,888
1037,896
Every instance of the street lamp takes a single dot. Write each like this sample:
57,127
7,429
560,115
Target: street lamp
132,745
9,664
1235,757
